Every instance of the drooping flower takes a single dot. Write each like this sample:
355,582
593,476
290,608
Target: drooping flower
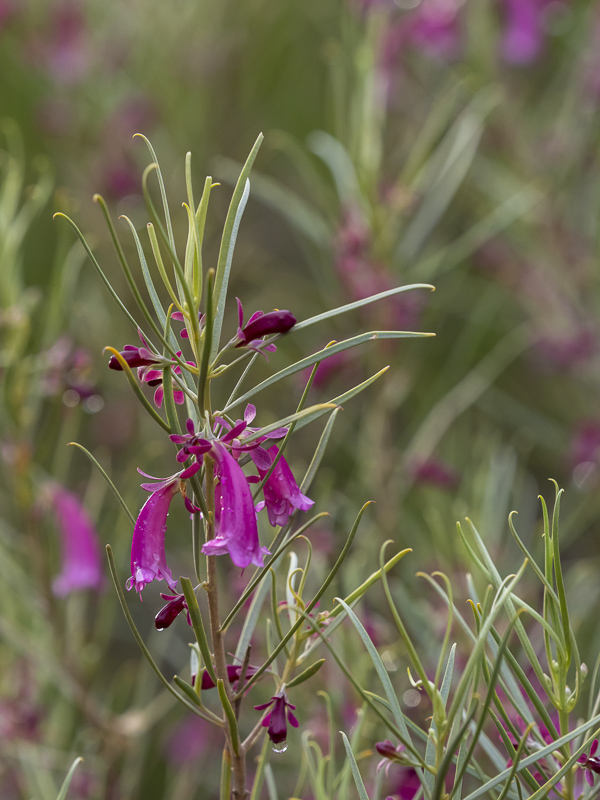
259,325
591,763
235,515
148,559
282,493
81,562
276,720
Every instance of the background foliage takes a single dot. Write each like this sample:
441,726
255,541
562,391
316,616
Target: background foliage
404,142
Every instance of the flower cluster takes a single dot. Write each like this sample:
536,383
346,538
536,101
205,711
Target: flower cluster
236,527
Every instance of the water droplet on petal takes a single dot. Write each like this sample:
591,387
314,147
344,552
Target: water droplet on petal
280,747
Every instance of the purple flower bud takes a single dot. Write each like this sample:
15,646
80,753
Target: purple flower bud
235,516
168,614
276,719
81,563
135,357
261,324
282,493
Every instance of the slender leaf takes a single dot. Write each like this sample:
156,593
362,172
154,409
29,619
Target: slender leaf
232,224
360,786
321,355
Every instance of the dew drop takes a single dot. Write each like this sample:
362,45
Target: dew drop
280,747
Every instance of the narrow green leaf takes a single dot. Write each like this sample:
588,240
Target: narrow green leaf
197,624
321,355
231,720
379,668
354,596
286,421
306,674
127,270
261,572
301,214
106,477
67,781
560,586
314,601
163,191
140,641
200,223
360,786
187,690
251,619
97,266
232,223
334,312
203,375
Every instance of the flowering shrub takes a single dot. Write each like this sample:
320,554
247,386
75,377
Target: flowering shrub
216,489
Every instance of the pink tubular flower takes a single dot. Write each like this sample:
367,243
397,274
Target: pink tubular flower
235,516
81,565
148,559
282,493
276,718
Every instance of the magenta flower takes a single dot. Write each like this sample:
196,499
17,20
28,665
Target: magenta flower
178,316
275,720
282,493
154,377
259,325
235,516
391,755
148,559
136,356
591,763
524,34
81,564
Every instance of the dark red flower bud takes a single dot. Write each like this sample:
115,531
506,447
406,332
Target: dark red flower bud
135,357
166,616
261,324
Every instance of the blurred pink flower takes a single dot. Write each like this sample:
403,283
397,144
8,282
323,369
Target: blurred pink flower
433,472
81,563
65,51
585,445
524,34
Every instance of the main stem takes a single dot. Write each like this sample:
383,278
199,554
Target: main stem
238,763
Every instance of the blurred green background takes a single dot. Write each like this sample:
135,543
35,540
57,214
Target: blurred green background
452,142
